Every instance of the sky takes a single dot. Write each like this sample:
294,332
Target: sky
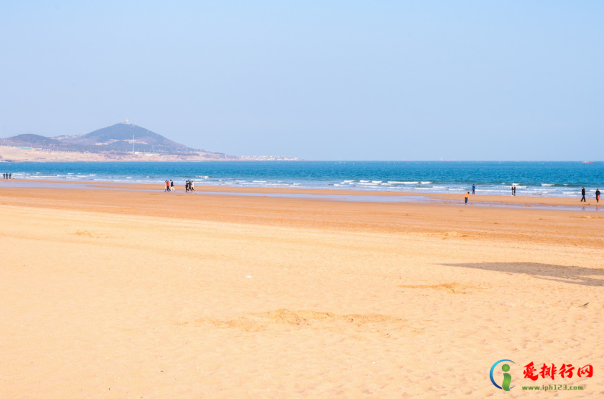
320,80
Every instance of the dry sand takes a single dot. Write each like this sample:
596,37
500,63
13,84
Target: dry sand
134,294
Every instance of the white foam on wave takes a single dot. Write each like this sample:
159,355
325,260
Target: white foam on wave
546,185
259,181
426,182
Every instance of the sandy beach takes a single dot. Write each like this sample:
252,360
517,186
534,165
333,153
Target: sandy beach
114,293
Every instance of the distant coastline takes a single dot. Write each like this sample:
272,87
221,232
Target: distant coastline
13,154
122,142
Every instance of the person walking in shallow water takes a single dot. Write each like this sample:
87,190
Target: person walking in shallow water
597,195
473,189
583,194
467,196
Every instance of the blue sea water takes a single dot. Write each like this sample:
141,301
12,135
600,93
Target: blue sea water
531,178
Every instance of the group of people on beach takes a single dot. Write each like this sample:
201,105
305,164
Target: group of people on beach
583,195
7,175
190,185
467,196
169,186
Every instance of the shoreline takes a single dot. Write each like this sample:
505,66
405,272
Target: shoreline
512,201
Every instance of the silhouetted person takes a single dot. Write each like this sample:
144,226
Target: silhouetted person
473,189
10,176
597,195
583,194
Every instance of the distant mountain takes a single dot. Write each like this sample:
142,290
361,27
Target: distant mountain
31,140
117,138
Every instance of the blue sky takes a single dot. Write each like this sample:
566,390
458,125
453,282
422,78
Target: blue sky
332,80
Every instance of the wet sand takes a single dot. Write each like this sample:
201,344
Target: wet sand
134,293
451,198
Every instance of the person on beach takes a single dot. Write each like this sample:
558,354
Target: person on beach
171,185
167,186
187,186
583,194
473,189
10,176
191,185
467,196
597,195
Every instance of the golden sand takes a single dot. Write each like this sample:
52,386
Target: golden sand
136,294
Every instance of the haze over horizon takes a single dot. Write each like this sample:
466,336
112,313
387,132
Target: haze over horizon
320,81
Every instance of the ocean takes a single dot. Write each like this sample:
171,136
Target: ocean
548,179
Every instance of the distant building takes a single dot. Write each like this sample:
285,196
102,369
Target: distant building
267,158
